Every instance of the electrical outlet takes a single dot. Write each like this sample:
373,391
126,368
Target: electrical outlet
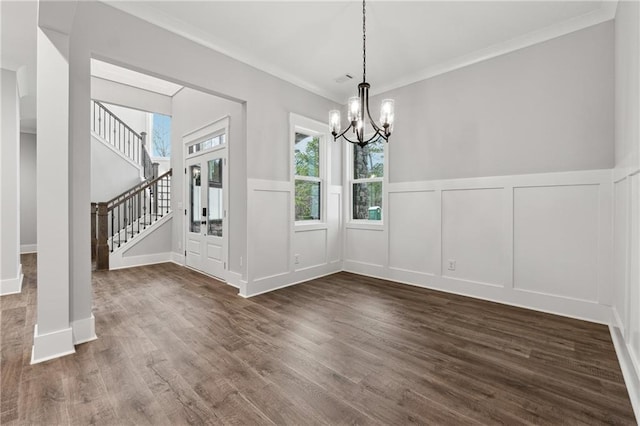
241,263
296,259
452,265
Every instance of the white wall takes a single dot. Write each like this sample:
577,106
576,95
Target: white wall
540,241
28,204
192,110
267,100
545,108
504,168
111,172
133,118
626,273
10,268
128,96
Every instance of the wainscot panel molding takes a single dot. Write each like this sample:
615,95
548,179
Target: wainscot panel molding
625,323
281,253
539,241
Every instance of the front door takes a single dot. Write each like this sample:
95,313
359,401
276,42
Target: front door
206,233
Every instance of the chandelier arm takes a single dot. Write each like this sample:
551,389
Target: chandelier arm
336,136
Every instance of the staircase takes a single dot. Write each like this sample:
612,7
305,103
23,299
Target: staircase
116,222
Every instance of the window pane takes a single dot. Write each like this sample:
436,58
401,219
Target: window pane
307,155
307,200
368,162
367,200
161,136
216,207
194,186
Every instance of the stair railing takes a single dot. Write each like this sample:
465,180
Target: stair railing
120,219
122,137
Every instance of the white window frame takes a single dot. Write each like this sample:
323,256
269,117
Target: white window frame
349,156
308,126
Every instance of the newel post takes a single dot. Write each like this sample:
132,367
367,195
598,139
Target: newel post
102,246
94,230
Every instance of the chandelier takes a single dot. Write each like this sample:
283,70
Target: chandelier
358,107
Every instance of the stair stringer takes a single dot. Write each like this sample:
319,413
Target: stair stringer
118,258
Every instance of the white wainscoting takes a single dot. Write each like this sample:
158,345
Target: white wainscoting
538,241
276,241
625,329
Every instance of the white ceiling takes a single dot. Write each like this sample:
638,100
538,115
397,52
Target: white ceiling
311,43
121,75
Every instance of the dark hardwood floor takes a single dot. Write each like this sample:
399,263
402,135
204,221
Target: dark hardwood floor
176,347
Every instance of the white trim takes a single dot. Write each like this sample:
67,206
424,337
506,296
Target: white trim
141,260
268,284
28,248
631,379
117,151
201,37
141,236
84,330
586,311
12,285
208,129
118,260
595,17
177,258
51,345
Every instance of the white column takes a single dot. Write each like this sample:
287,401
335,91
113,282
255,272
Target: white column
53,334
82,320
10,267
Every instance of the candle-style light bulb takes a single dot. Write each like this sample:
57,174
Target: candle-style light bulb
354,109
387,113
334,121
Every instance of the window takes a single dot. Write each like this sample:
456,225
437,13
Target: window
160,135
308,169
368,175
308,185
206,144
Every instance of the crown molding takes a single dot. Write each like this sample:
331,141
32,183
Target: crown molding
141,10
606,12
156,17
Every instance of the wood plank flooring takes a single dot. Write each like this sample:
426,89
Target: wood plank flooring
176,347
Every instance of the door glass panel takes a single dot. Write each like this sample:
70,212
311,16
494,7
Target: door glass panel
195,197
216,207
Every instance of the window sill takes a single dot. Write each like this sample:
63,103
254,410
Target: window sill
311,226
366,225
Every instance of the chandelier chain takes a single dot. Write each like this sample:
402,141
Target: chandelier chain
364,42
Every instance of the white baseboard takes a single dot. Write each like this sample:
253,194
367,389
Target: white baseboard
265,285
631,379
557,305
12,285
177,258
51,345
144,259
28,248
234,279
84,330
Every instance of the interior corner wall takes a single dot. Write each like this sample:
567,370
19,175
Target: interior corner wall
28,204
545,108
626,178
192,110
267,100
500,180
10,268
